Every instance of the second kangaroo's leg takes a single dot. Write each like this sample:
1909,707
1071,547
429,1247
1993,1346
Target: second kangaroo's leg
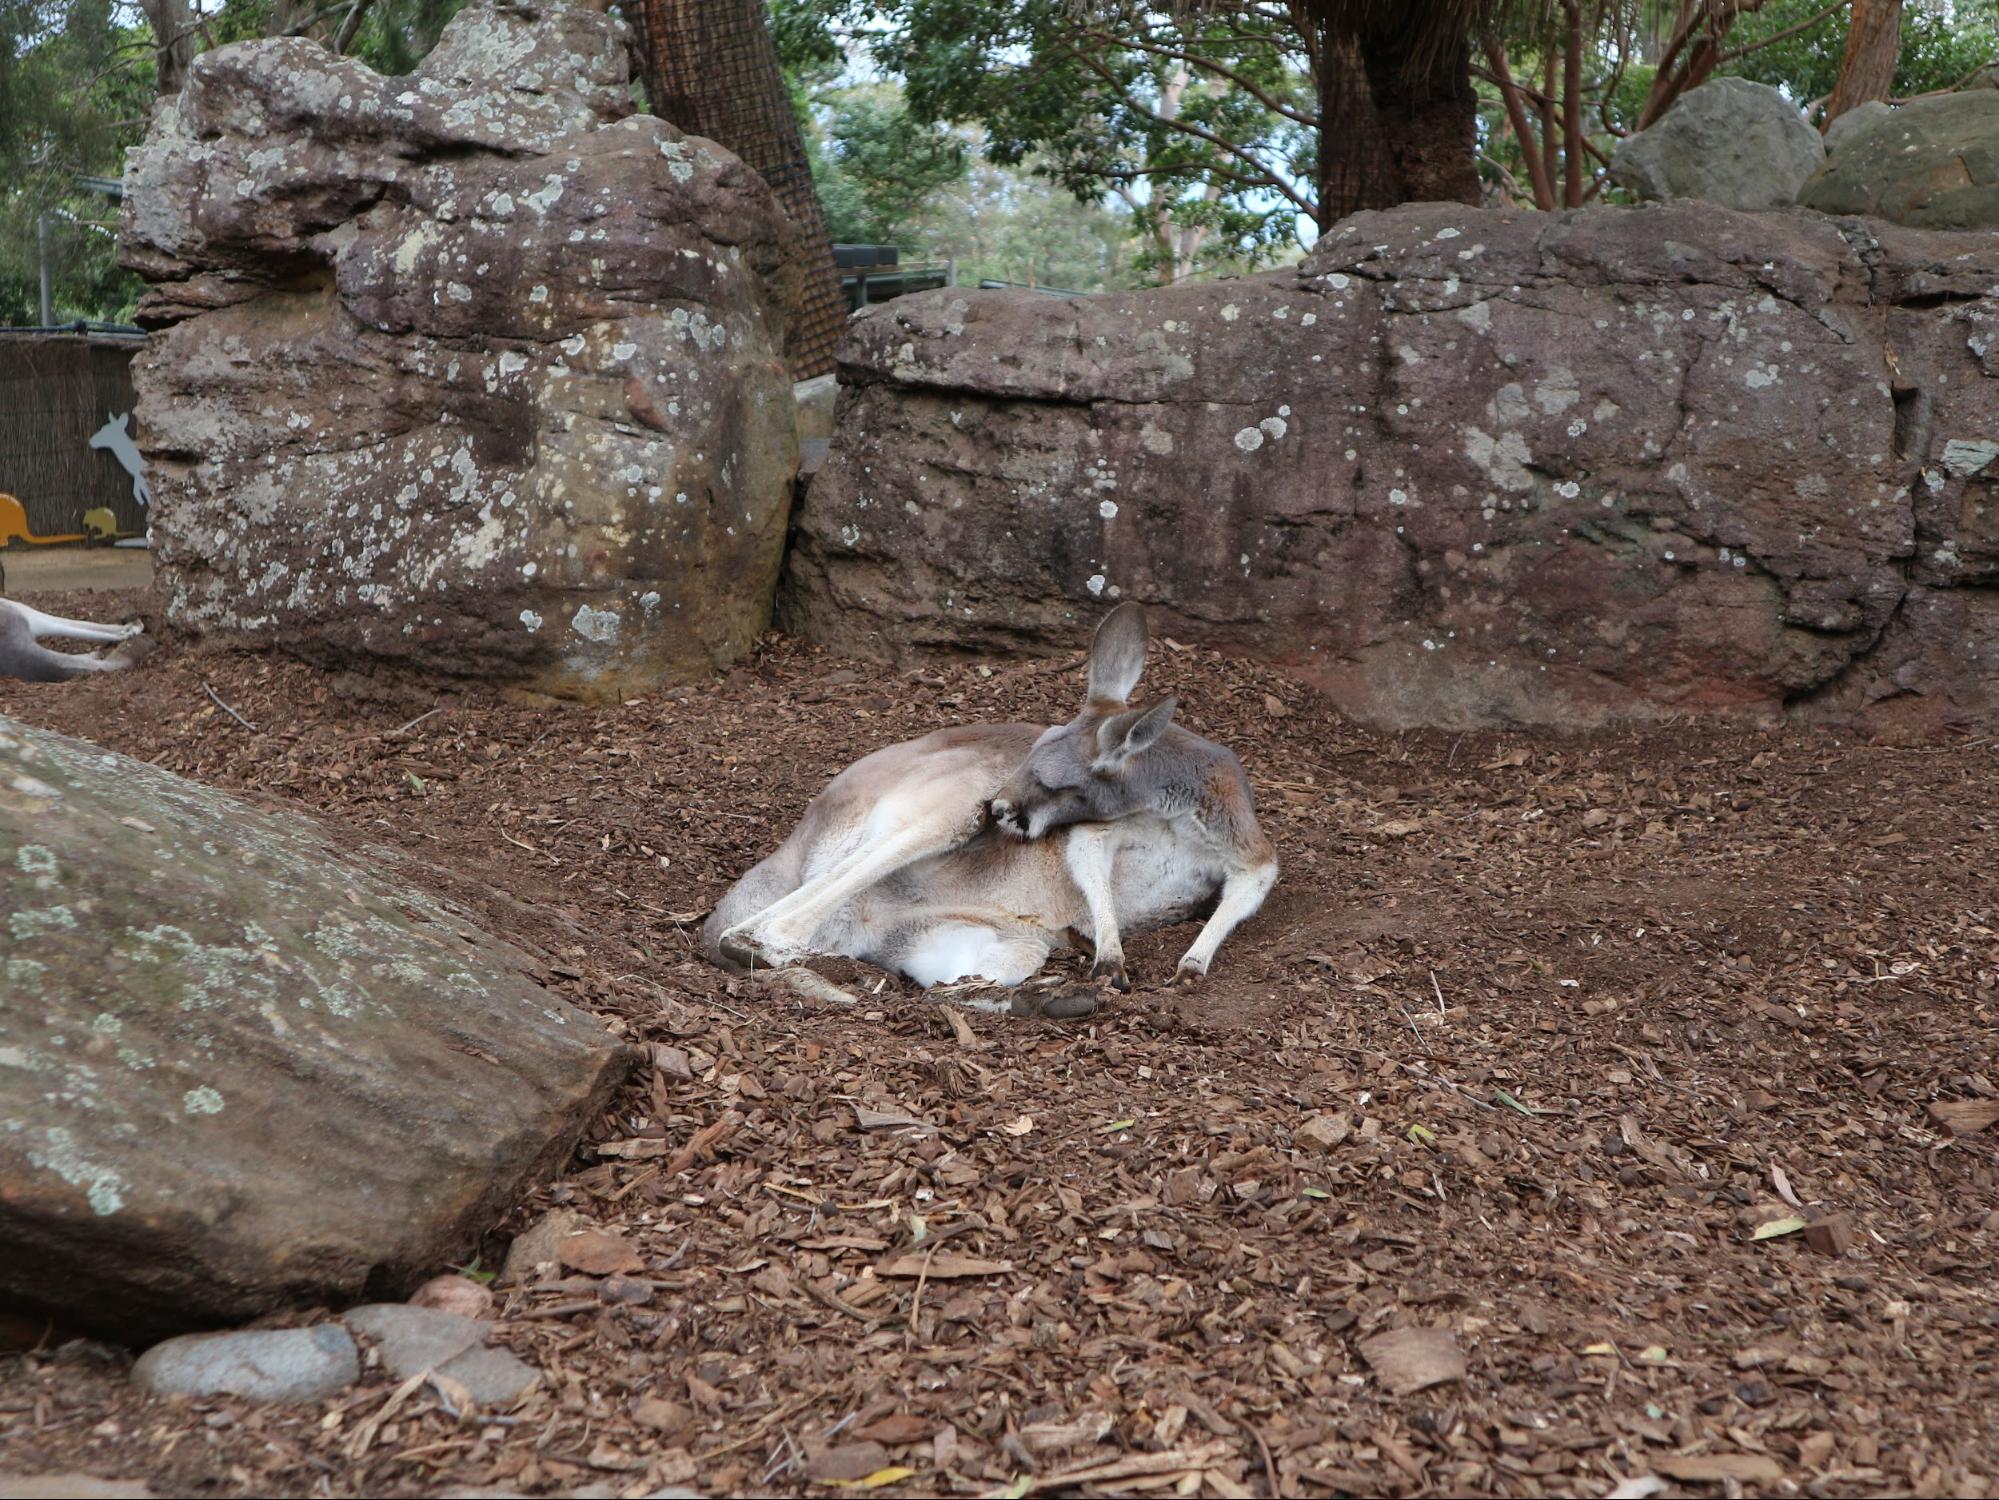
40,625
1243,890
1089,853
23,657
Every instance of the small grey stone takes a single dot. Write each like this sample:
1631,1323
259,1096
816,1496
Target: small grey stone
673,1492
1729,141
493,1376
413,1339
283,1364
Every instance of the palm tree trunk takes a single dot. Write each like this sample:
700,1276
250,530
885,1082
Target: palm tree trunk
711,68
1873,48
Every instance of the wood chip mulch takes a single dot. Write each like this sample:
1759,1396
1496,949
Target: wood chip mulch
1580,1112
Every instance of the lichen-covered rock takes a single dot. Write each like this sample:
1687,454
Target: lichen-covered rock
238,1069
1457,468
1730,141
473,369
1932,163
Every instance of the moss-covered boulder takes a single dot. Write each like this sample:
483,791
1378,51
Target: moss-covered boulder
239,1069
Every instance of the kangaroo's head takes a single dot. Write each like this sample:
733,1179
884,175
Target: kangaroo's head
1081,772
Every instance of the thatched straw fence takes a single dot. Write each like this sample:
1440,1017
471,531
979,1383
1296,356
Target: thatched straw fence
56,389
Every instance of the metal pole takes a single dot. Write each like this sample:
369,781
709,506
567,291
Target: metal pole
48,286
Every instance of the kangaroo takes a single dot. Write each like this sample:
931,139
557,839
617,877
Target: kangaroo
21,655
975,852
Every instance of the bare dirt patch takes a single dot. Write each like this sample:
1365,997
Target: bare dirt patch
1533,1035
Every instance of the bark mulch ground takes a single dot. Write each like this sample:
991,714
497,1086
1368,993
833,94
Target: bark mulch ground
1448,1181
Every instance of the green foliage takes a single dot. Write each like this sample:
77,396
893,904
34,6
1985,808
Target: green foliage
75,87
1187,123
881,166
1943,41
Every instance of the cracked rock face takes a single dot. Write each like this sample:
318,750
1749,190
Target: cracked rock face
473,369
1459,468
240,1070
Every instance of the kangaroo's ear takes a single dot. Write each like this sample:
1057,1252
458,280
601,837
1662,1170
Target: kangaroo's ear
1124,735
1117,655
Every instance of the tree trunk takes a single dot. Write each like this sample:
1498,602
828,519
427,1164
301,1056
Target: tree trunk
1397,121
711,68
1873,48
173,25
1429,114
1355,169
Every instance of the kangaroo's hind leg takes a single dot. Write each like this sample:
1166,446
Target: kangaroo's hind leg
40,625
22,656
783,930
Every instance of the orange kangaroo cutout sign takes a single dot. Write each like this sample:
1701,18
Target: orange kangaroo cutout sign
14,523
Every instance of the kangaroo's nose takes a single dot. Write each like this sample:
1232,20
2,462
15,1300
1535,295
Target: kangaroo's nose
999,810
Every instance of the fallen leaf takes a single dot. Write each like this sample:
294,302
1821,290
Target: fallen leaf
1412,1359
1019,1126
1397,828
942,1266
1515,757
1274,706
1118,1125
1711,1467
1789,1224
1512,1103
1639,1487
880,1477
598,1252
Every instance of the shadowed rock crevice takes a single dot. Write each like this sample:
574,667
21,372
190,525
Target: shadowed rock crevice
1456,468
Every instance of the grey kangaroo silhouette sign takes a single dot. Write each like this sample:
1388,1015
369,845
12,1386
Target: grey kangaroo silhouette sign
114,436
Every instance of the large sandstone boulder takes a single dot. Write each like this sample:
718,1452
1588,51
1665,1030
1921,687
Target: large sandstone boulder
1933,163
472,368
238,1069
1458,468
1730,141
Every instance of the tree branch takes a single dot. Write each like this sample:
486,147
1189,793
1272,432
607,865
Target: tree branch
1208,64
1266,177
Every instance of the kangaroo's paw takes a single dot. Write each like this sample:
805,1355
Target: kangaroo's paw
137,627
1111,966
749,948
1191,971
